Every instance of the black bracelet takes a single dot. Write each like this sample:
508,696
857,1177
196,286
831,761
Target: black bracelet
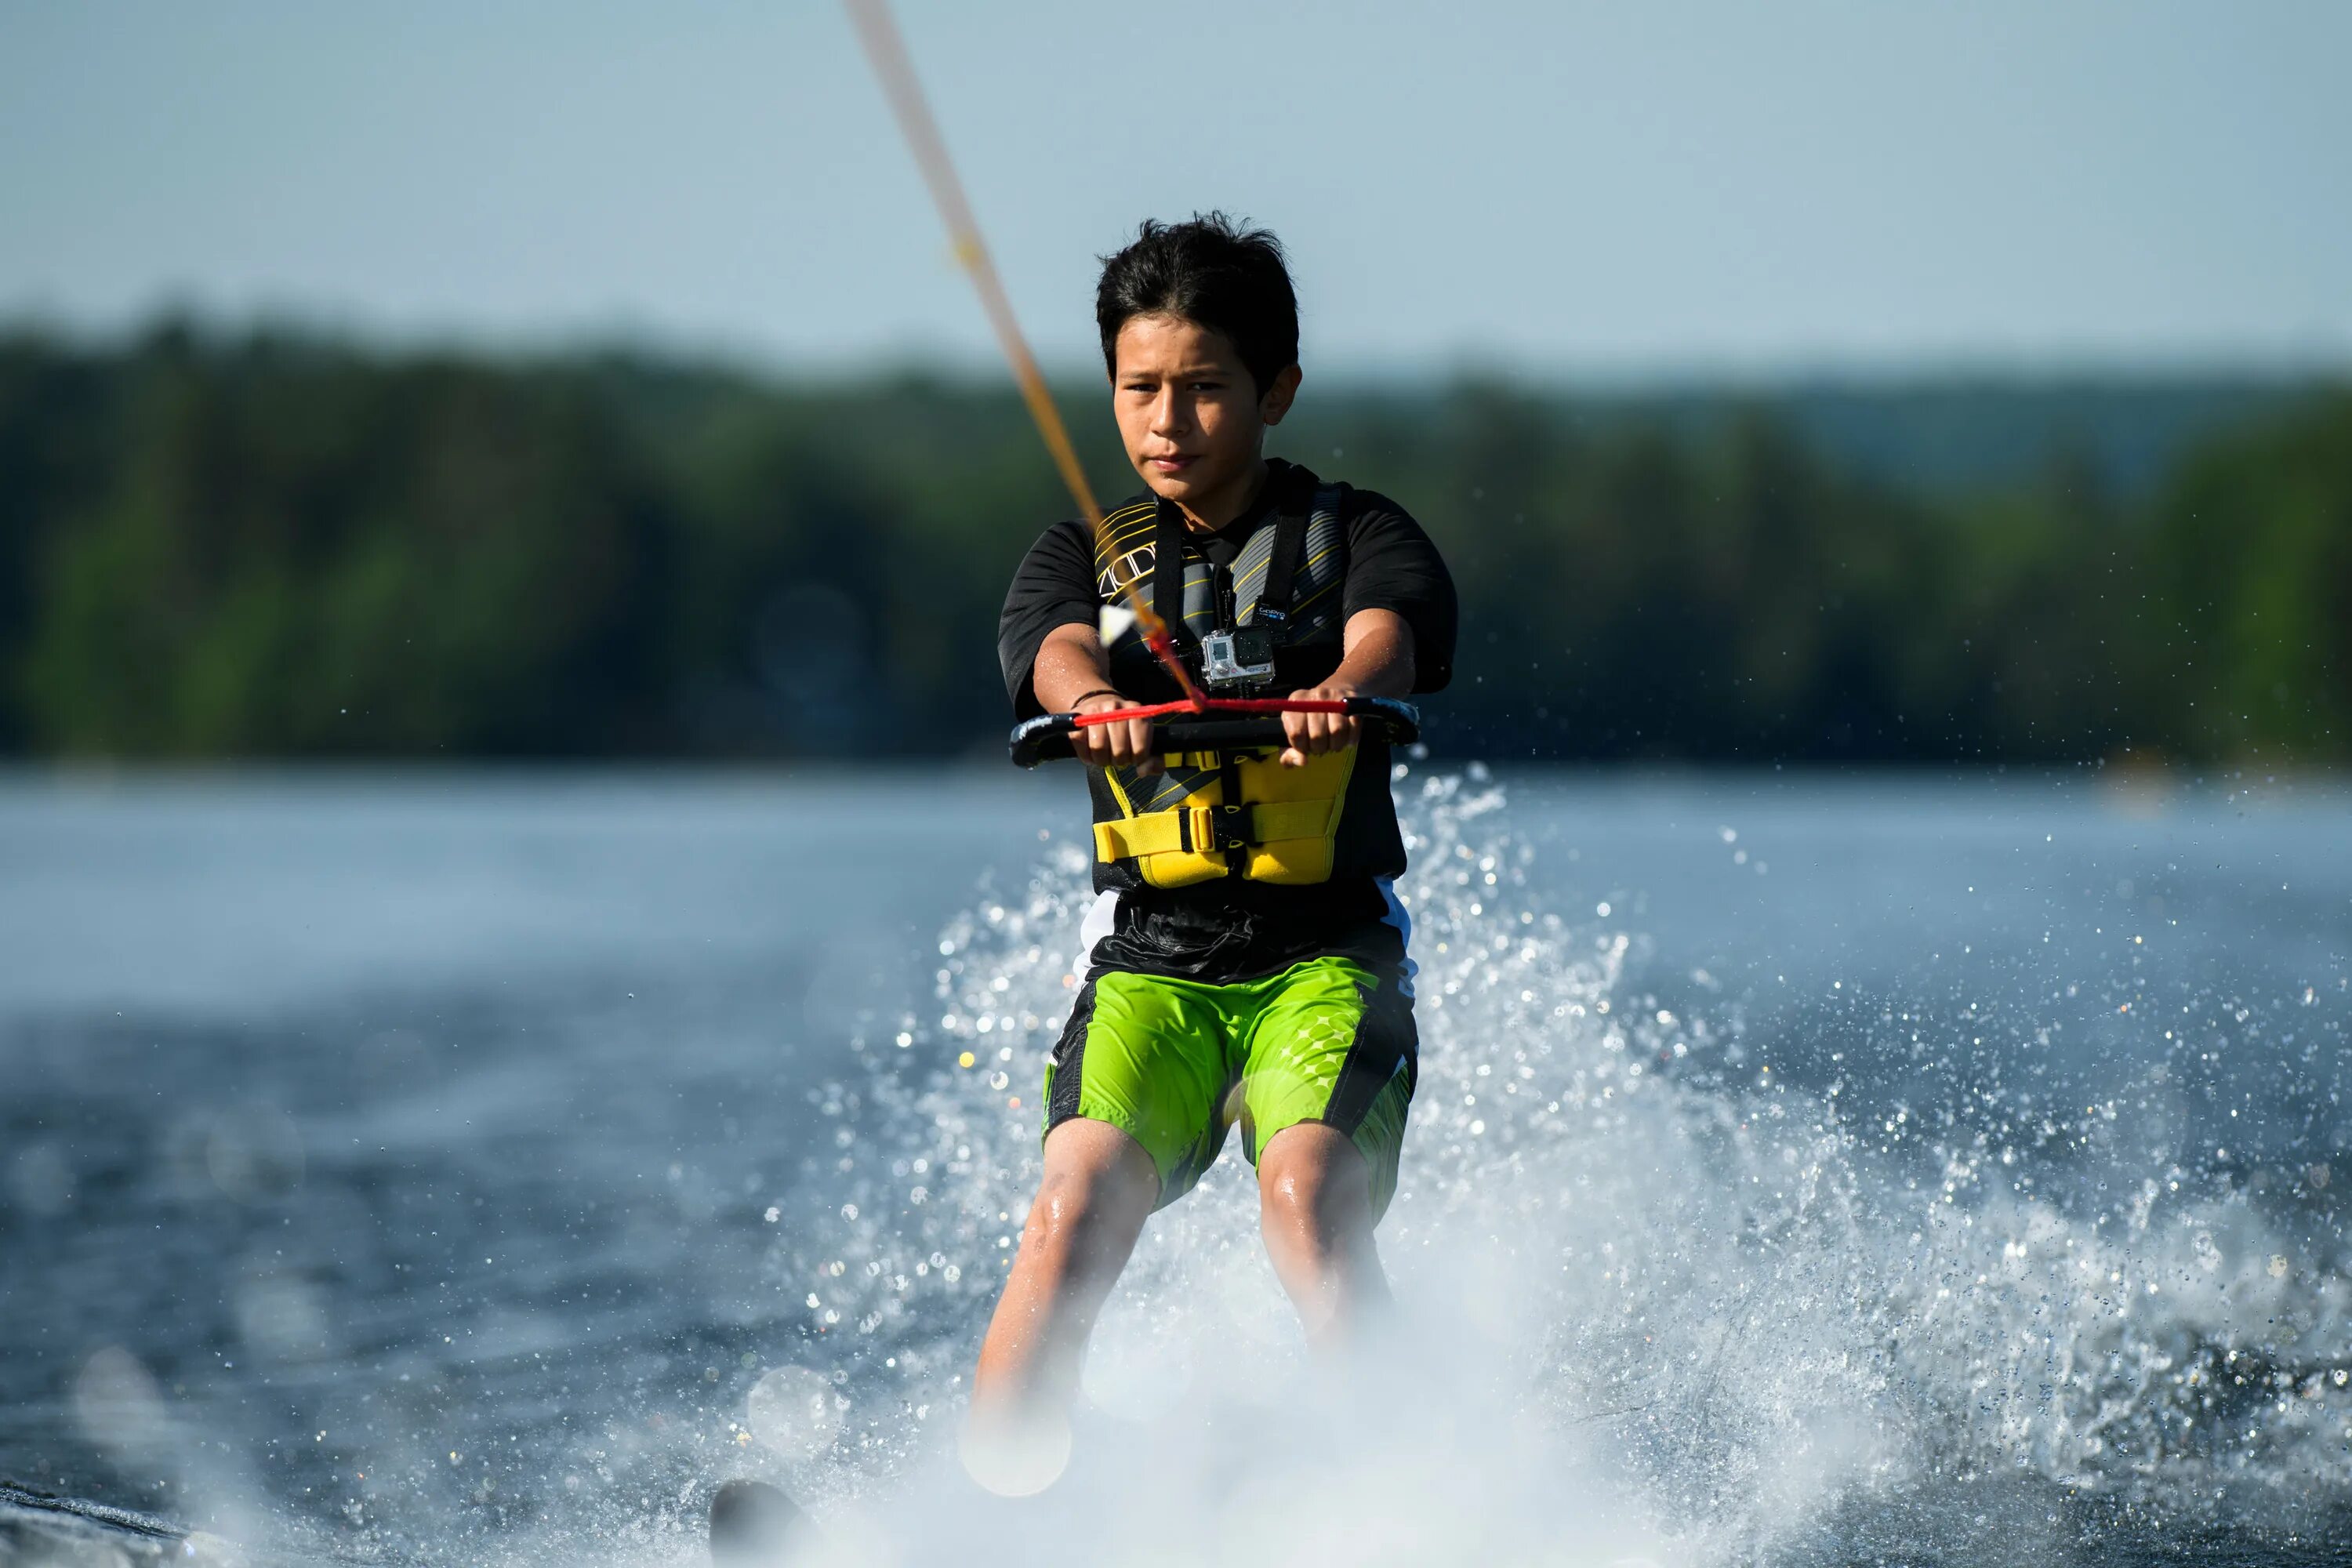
1098,691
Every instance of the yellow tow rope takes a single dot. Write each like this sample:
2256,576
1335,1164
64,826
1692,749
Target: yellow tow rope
888,52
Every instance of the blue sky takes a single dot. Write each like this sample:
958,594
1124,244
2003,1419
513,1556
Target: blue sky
1665,187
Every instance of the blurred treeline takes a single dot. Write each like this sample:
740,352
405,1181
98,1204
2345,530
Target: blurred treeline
276,545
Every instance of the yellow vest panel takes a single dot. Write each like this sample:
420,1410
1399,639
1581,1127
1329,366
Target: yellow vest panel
1281,829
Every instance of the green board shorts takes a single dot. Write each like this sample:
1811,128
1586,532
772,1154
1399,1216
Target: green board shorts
1175,1063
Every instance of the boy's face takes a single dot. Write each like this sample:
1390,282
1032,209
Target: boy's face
1192,420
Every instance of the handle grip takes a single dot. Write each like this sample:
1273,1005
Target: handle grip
1046,738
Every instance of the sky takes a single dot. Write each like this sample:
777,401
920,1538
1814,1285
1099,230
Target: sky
1557,188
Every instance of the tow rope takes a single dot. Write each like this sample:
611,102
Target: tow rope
887,53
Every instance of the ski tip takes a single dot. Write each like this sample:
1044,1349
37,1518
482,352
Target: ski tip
752,1524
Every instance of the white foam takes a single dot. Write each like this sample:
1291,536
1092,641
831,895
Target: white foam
1656,1305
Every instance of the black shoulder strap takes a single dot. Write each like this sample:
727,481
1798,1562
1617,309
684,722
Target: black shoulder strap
1274,598
1167,571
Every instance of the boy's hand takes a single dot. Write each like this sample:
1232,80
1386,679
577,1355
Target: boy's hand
1311,734
1126,745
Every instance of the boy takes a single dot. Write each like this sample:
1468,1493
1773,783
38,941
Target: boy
1262,978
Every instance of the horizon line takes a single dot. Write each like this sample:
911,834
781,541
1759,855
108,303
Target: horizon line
2307,364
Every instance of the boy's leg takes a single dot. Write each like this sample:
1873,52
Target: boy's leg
1131,1108
1098,1188
1328,1080
1315,1207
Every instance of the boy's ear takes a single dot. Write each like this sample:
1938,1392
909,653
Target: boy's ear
1277,399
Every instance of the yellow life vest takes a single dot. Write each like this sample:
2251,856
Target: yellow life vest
1235,813
1221,814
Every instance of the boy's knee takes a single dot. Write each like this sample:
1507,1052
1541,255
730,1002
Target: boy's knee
1311,1175
1290,1202
1078,1197
1068,1198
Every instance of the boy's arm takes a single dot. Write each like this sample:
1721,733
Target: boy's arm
1072,675
1376,660
1393,565
1399,634
1053,660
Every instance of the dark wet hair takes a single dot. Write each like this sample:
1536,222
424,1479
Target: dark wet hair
1210,271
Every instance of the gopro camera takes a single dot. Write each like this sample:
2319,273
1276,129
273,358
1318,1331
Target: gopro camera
1241,657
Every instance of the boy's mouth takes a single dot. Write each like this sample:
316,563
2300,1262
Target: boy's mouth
1171,462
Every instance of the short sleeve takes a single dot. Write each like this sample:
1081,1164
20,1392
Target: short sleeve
1392,565
1054,586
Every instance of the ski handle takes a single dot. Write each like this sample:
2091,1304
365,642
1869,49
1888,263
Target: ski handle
1220,723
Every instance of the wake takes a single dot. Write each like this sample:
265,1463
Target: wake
1656,1305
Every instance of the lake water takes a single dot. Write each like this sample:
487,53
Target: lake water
476,1167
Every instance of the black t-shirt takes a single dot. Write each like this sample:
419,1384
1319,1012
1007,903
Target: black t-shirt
1233,929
